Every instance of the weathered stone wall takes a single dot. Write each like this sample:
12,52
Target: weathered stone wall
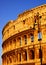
17,45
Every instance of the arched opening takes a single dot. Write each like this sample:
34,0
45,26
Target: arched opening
40,53
20,41
31,54
39,36
25,39
32,37
23,21
14,41
25,55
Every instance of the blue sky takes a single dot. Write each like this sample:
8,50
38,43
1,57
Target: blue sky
9,10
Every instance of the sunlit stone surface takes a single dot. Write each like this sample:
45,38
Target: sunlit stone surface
20,42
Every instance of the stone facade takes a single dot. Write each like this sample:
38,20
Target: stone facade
19,47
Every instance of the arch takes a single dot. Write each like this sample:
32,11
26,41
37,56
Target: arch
20,41
31,54
40,53
32,37
25,39
25,55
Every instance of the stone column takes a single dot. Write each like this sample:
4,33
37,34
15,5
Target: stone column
22,40
16,57
44,53
28,39
27,54
36,53
21,55
37,56
9,45
16,42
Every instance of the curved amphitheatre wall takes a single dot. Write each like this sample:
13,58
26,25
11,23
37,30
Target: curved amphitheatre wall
16,26
25,22
23,26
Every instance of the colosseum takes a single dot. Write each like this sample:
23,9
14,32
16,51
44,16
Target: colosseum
24,39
